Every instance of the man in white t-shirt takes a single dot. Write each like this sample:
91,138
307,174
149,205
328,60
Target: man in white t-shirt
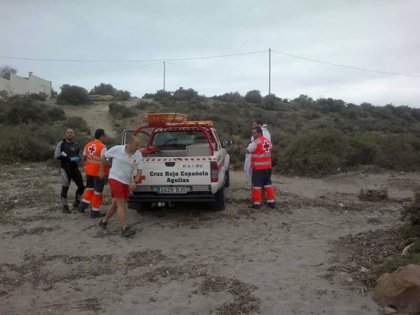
125,159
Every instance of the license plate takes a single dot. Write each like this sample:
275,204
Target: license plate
172,190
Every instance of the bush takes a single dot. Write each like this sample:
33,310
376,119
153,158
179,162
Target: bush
38,96
253,96
24,110
76,123
314,153
143,105
230,97
28,142
394,263
122,96
103,89
185,95
398,152
362,150
73,95
119,111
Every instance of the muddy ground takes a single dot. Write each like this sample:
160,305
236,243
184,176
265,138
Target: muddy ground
315,254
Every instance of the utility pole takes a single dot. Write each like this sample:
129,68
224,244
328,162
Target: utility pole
164,75
269,71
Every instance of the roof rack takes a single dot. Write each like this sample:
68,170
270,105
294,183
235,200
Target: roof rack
174,119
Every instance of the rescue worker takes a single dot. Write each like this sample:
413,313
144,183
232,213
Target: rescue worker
92,155
68,152
260,150
125,160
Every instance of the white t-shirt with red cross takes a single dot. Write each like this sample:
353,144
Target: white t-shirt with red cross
123,165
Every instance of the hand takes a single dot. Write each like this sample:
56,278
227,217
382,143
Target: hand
75,159
63,154
132,187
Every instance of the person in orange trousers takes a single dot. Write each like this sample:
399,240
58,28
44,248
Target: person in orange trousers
260,150
92,154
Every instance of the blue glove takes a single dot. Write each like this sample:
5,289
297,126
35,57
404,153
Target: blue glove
75,159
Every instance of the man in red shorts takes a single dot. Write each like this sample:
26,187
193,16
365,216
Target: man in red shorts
125,159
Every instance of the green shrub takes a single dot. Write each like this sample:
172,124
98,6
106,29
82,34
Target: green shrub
253,96
122,96
143,105
412,211
185,94
119,111
28,142
393,263
362,150
314,153
103,89
73,95
398,152
76,123
24,110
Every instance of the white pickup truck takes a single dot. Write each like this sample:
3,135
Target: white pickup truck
183,161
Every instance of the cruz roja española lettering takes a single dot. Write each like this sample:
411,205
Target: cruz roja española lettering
179,177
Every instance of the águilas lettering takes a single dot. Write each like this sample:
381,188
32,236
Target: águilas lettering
177,180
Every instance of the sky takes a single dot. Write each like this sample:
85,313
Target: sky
354,50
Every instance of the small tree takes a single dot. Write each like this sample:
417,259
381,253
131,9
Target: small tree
103,89
6,71
253,96
73,95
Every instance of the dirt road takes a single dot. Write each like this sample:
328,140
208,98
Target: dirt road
96,115
188,259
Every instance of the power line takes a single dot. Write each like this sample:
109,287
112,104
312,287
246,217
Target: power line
345,66
210,57
132,60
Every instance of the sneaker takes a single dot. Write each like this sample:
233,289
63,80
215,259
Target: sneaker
102,224
272,205
96,214
255,206
66,209
127,232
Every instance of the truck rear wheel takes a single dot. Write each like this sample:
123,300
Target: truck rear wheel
227,179
219,201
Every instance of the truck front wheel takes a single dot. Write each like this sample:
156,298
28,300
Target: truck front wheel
219,201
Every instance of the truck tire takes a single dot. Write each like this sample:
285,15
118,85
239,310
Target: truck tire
219,200
227,179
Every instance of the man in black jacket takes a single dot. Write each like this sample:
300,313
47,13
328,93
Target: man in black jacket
68,152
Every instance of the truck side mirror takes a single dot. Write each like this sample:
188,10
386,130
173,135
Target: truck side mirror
226,143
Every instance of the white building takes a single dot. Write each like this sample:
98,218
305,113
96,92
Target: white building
29,85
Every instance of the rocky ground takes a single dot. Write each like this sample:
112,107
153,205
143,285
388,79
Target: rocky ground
316,254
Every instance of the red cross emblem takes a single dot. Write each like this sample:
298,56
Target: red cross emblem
92,148
266,146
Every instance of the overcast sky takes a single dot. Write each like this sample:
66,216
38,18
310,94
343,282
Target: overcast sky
379,37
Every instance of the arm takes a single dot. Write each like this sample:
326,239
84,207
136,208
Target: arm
251,147
138,176
136,180
58,154
103,163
